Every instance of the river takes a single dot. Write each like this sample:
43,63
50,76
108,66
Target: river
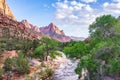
66,70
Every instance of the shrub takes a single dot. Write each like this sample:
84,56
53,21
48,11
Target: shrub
1,72
22,65
49,71
54,54
43,74
8,64
40,52
46,73
28,78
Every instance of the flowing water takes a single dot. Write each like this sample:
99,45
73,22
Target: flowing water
66,70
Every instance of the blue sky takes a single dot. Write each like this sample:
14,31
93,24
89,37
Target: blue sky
72,16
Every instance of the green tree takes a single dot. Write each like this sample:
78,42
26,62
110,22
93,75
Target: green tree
76,50
40,52
50,45
103,26
8,64
1,73
100,55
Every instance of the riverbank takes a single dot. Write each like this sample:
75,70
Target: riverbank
38,70
47,68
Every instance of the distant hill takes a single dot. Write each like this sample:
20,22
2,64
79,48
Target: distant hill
77,38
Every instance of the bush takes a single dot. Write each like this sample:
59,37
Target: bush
8,64
1,72
114,67
54,54
40,52
46,73
28,78
49,71
22,65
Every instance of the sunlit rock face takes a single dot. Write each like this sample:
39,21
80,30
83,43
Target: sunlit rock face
10,27
34,30
4,8
53,31
30,26
25,29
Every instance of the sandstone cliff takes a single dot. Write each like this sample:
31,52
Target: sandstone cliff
4,8
31,26
24,29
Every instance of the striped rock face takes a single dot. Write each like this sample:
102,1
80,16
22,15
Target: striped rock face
54,32
4,8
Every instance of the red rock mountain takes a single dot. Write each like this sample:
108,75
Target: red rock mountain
30,26
5,10
53,31
10,27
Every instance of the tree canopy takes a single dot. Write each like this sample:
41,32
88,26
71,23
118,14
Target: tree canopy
100,55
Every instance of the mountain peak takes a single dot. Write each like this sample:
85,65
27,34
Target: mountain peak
5,10
55,29
52,24
54,32
26,23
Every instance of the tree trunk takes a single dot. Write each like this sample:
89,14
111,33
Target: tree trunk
88,75
101,72
47,55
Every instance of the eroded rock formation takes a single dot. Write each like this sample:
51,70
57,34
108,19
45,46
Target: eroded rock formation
5,10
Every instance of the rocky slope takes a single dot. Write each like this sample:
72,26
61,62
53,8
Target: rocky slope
30,26
50,31
6,10
10,27
53,31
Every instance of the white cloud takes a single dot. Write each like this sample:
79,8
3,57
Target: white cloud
62,5
112,8
116,1
88,8
73,3
72,11
89,1
74,14
106,4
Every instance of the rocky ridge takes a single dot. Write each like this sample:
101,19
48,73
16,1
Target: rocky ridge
4,9
10,27
53,31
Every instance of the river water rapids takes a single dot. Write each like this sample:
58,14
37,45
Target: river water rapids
66,70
